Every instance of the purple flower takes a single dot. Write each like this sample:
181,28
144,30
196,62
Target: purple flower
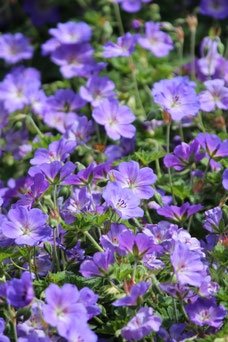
177,97
213,145
38,187
79,131
213,218
216,96
124,47
208,288
41,13
88,298
54,172
59,121
115,152
162,232
16,85
80,331
175,333
183,236
179,214
71,32
83,177
74,60
225,179
3,338
141,325
184,155
152,262
210,60
111,239
97,89
57,151
19,292
64,101
129,175
187,265
63,307
14,48
137,290
98,265
27,227
132,5
79,202
123,201
138,245
156,41
116,119
205,311
215,8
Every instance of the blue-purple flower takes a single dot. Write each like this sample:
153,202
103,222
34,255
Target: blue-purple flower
213,145
116,119
99,265
138,290
129,175
141,325
123,48
214,8
97,89
132,5
177,96
19,292
27,227
63,307
155,40
71,32
225,179
184,155
14,48
111,239
213,218
123,201
215,96
206,312
187,265
179,214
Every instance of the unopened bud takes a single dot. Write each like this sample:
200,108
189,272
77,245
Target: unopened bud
180,34
192,22
167,117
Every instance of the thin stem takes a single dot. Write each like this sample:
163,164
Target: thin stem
183,309
175,310
181,56
181,132
89,236
147,214
98,133
21,268
189,223
36,128
30,260
14,325
193,43
132,67
134,269
169,170
118,18
55,251
206,171
201,122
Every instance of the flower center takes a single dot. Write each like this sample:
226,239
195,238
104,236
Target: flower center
121,204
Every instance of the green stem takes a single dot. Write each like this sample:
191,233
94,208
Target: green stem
55,250
169,170
136,85
14,325
134,269
89,236
175,309
201,122
189,223
183,309
36,128
181,132
147,214
193,43
206,171
21,268
181,57
98,133
30,260
118,18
